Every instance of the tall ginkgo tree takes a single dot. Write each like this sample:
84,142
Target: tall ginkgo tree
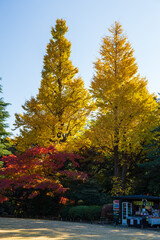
58,113
126,110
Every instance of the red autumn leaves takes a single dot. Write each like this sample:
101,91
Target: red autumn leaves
38,169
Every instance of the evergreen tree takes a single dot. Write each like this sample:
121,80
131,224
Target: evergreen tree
60,110
126,110
150,169
4,144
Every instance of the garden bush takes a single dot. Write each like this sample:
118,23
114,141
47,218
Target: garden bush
65,212
85,213
77,213
93,213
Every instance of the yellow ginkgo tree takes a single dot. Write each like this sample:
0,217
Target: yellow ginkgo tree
58,113
126,111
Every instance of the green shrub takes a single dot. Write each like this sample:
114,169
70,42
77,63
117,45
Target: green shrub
77,212
89,213
93,213
65,212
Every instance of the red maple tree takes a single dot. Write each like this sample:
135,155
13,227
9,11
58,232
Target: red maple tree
38,169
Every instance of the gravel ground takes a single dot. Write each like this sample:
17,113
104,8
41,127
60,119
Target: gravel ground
26,229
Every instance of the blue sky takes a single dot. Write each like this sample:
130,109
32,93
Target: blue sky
25,31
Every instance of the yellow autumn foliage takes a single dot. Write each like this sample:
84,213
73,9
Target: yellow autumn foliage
126,111
58,113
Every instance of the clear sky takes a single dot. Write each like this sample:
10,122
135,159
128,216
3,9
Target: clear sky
25,31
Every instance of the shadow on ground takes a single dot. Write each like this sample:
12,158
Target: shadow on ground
19,229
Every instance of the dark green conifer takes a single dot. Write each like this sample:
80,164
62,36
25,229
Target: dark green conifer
4,143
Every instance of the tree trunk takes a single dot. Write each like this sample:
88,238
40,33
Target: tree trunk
116,145
116,161
124,171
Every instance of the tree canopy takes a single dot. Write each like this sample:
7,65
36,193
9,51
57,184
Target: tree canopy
4,144
151,166
126,111
57,121
38,169
58,113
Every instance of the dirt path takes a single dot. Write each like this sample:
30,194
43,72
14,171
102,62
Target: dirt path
26,229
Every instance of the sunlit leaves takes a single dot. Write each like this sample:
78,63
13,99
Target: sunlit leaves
126,111
38,169
121,95
59,111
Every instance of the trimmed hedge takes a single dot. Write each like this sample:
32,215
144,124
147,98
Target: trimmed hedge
85,213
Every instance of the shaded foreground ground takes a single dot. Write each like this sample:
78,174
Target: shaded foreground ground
26,229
